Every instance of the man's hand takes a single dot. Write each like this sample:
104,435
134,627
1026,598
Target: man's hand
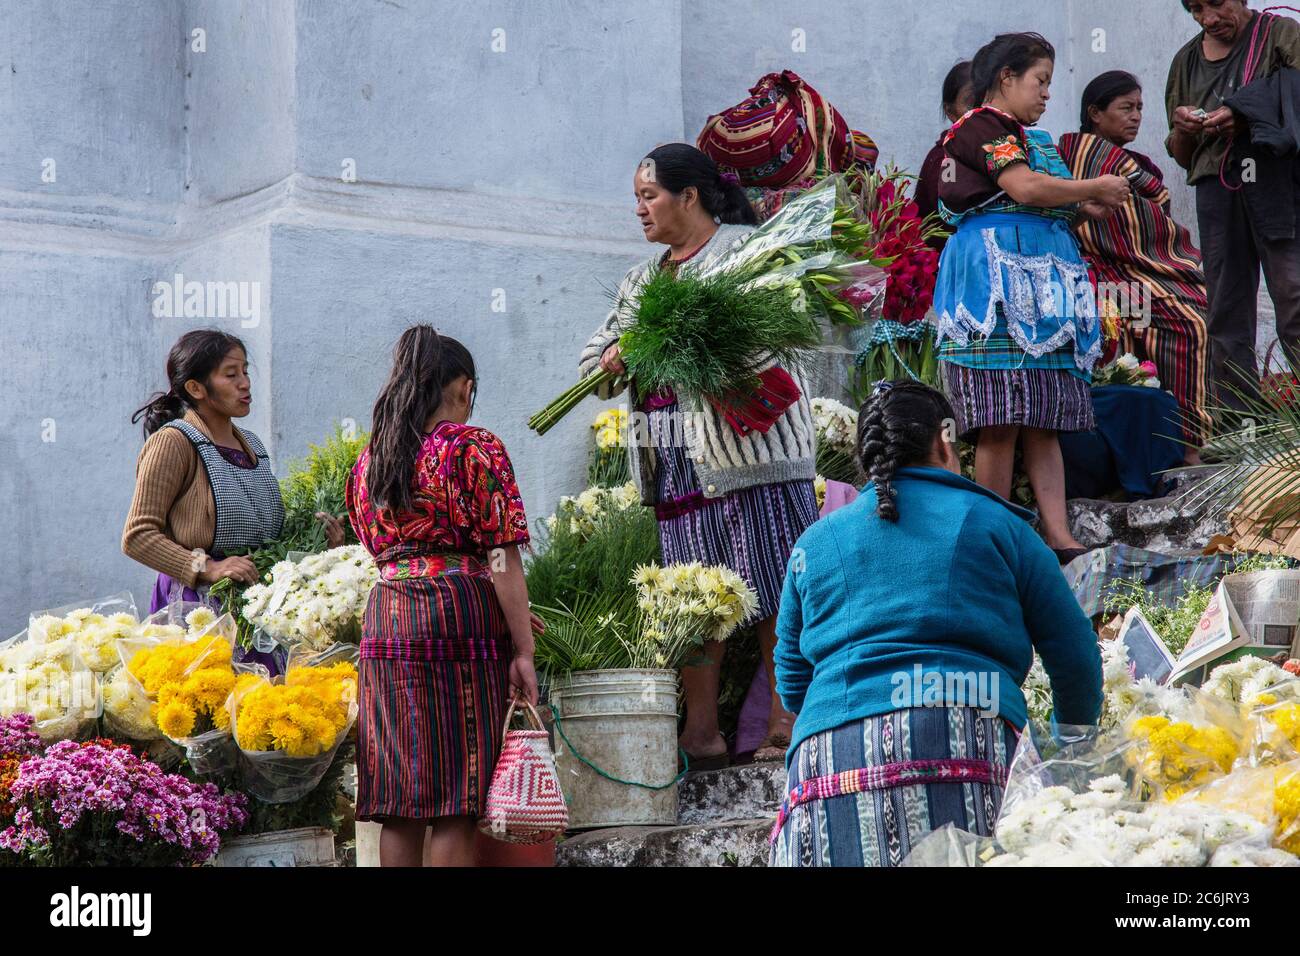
1221,122
1188,121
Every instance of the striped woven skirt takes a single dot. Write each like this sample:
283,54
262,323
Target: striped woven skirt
751,531
435,660
1046,398
428,736
865,793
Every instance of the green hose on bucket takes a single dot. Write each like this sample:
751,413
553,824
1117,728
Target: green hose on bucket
686,761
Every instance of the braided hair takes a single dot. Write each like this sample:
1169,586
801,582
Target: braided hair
896,428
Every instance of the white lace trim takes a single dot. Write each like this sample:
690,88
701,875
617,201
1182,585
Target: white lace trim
1034,286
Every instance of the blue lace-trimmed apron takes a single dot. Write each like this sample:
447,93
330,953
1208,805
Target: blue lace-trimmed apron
1018,271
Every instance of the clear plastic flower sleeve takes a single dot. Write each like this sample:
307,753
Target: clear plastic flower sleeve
274,776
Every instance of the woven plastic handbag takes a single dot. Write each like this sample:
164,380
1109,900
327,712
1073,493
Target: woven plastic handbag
524,802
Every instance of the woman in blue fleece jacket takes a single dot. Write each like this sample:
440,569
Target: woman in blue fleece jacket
907,623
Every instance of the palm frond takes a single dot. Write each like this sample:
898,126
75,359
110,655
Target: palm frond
594,632
1255,478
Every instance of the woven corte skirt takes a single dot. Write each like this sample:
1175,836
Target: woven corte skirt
751,531
1050,399
428,736
864,794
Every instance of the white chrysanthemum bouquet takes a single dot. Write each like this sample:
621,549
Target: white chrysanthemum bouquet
684,605
1105,827
55,673
317,601
585,511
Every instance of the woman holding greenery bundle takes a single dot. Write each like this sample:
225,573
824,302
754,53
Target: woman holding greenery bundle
447,635
730,477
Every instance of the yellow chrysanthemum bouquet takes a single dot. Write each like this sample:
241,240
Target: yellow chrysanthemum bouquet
1269,794
1173,754
684,605
184,674
289,729
609,462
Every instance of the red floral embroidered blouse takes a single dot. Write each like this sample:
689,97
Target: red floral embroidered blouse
465,500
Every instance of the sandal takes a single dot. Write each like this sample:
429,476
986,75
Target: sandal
773,748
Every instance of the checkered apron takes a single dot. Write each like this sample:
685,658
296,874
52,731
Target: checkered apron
249,509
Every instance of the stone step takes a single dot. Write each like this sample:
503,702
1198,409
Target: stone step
1157,524
746,792
726,843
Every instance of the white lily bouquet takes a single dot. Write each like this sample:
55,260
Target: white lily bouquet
317,601
684,605
835,426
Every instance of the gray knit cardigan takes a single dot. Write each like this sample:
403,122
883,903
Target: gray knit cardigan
724,461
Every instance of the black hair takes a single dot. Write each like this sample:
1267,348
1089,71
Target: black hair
958,79
896,428
424,363
676,166
1104,90
1014,51
196,355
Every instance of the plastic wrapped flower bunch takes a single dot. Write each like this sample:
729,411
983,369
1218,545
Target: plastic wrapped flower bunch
1127,370
1124,698
95,635
48,679
1101,827
586,510
188,677
835,426
1246,680
684,605
303,717
317,601
1174,756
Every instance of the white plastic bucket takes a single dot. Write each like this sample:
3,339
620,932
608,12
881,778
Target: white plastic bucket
623,722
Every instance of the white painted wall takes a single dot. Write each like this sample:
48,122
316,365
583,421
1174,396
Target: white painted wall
476,171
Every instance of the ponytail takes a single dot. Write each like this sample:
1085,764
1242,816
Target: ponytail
896,428
424,364
194,357
162,408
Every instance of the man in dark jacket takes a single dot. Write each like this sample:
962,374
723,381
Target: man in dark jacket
1229,118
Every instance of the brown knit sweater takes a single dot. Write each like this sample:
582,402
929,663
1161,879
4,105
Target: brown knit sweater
172,513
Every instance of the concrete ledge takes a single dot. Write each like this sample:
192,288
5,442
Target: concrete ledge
735,843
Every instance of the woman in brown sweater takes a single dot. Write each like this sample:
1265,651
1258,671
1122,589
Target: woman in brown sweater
203,488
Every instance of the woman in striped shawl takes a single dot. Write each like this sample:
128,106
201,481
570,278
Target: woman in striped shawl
1146,266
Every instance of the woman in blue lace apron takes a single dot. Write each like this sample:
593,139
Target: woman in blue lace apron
204,488
1016,310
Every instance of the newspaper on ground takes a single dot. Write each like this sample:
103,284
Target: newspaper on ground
1256,609
1148,654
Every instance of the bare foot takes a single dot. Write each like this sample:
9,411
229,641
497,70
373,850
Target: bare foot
715,747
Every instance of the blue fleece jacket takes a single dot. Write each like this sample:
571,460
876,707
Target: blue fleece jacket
943,608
